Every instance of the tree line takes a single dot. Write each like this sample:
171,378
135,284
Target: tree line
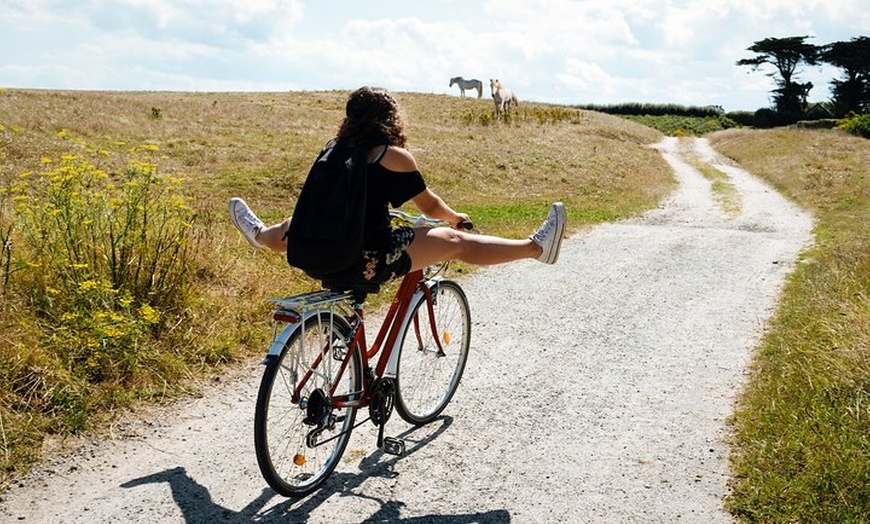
850,93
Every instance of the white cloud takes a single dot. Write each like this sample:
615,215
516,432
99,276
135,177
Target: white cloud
549,50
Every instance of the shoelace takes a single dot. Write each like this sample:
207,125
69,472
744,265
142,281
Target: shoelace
545,228
246,217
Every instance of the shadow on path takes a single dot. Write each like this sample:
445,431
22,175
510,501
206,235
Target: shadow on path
197,506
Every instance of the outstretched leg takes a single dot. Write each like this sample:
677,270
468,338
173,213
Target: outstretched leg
254,230
431,246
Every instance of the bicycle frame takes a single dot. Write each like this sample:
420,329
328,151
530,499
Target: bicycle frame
320,370
395,321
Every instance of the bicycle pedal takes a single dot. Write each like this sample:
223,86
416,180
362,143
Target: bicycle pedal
394,446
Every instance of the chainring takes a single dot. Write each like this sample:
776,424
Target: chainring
383,399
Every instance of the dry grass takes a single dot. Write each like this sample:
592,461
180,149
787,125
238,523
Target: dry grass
259,146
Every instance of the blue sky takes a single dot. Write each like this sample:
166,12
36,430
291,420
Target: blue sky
560,51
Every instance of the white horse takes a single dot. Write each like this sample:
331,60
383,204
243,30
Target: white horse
467,84
503,98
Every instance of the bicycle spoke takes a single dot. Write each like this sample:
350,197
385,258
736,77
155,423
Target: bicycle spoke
281,435
428,377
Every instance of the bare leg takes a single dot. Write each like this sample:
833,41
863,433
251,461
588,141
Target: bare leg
272,237
435,245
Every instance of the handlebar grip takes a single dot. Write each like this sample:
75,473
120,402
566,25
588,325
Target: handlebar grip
466,225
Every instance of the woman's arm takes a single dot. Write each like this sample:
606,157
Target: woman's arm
401,160
433,205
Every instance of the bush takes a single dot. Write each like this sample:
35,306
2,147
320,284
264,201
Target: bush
76,223
743,118
676,125
97,263
856,124
641,109
766,118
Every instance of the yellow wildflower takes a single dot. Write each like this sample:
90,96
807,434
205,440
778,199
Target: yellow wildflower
88,285
149,314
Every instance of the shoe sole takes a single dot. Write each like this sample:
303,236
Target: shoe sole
555,248
232,206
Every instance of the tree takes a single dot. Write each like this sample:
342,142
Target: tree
851,93
785,54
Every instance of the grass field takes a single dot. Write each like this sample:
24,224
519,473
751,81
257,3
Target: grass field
123,279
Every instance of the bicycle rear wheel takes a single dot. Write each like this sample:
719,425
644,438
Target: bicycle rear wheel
295,456
427,376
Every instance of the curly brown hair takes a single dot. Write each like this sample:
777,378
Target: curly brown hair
372,117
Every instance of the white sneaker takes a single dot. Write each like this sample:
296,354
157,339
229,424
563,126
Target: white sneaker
246,221
549,235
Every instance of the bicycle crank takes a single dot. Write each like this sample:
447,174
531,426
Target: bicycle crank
380,409
381,406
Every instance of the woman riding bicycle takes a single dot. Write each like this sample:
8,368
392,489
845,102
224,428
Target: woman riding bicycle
372,116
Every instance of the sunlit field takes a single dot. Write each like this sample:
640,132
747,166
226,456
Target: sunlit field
123,280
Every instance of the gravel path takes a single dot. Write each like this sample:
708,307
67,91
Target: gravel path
597,391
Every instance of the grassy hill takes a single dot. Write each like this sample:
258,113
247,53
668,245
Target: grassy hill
122,279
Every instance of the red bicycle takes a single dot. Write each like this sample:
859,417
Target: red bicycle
320,371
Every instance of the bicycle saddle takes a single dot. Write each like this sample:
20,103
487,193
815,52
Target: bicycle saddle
357,289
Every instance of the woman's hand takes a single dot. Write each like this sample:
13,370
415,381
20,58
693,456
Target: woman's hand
431,204
463,222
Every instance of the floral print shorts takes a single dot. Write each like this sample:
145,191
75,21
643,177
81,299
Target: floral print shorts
388,264
381,266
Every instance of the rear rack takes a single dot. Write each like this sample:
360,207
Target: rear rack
293,309
308,301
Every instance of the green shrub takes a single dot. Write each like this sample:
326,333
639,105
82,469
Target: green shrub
75,223
95,277
856,124
98,259
742,118
676,125
640,109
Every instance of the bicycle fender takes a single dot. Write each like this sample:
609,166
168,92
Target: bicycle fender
279,342
393,364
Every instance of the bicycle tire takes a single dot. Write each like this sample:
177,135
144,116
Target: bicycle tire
427,379
287,463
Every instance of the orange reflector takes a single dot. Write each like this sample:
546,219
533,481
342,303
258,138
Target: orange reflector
299,459
446,337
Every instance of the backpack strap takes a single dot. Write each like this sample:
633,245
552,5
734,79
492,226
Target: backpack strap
381,154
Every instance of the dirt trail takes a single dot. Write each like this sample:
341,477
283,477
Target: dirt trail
597,391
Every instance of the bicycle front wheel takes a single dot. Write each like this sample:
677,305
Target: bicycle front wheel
299,443
428,375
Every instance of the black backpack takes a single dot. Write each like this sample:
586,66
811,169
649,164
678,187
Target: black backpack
326,232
